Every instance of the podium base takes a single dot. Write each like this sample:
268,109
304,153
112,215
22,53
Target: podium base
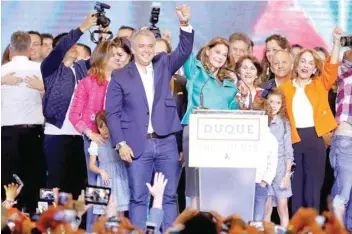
227,191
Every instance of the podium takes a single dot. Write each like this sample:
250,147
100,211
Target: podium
223,146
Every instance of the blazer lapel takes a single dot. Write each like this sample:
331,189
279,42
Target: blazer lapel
132,67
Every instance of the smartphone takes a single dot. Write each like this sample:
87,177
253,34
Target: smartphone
97,195
63,198
46,194
112,222
42,207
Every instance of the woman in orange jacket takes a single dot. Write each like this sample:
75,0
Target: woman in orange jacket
310,117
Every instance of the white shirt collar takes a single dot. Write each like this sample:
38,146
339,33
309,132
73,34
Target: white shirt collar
20,58
149,68
297,85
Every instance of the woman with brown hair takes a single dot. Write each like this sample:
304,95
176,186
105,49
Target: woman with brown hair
310,117
248,71
89,97
207,86
272,44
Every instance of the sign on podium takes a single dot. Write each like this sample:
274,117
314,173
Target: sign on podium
224,146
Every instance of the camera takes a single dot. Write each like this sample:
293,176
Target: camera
101,18
154,19
346,41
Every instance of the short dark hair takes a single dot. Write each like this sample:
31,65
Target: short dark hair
58,38
127,27
36,33
86,48
296,46
46,36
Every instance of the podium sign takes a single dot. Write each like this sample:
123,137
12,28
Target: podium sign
226,138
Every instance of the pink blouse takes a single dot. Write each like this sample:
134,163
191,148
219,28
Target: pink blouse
88,100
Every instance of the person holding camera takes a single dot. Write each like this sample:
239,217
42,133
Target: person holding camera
142,117
63,144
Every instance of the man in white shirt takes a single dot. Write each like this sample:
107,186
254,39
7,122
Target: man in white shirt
22,121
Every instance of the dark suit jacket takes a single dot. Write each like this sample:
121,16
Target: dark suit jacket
127,111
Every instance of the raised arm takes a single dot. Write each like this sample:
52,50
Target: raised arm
330,70
54,59
184,48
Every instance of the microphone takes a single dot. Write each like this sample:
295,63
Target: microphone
201,101
250,93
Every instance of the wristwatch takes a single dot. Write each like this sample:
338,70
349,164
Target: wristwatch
119,145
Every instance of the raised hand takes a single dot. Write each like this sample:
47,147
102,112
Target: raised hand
184,13
90,21
337,34
158,186
12,191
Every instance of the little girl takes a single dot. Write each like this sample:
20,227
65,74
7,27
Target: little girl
112,171
280,189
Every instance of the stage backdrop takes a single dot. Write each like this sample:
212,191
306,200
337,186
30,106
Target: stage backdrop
308,23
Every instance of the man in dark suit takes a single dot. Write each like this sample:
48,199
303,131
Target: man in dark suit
142,118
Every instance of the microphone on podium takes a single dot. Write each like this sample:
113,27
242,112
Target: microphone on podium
201,101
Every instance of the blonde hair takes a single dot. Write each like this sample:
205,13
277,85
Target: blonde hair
317,62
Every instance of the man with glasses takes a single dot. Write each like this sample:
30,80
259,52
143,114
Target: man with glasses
36,46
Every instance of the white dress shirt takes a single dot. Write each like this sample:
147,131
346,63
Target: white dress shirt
302,108
67,128
148,83
19,103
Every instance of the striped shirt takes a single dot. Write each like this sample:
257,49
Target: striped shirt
344,93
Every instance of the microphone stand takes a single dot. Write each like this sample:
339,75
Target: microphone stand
201,101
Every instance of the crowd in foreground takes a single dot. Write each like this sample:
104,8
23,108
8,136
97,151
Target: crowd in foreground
115,119
65,217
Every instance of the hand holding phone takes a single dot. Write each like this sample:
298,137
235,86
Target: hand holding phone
97,195
46,194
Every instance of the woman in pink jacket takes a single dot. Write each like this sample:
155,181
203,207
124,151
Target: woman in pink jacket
89,97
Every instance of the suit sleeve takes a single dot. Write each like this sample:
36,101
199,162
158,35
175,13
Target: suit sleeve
113,110
54,59
184,48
